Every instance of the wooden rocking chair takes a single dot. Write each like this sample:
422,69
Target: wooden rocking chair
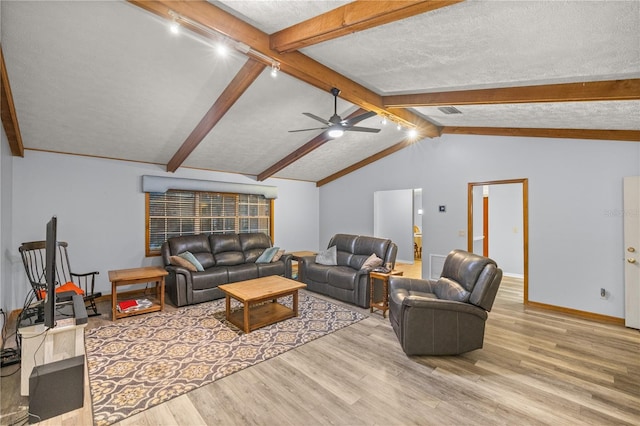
34,260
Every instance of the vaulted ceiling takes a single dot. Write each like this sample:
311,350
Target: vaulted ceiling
109,79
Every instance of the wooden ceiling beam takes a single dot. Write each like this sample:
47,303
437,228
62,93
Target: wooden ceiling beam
8,114
613,135
349,18
295,64
243,79
305,149
612,90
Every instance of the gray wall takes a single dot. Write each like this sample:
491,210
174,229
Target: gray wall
575,190
5,223
101,212
575,243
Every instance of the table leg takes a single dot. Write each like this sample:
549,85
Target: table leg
295,303
161,293
247,326
228,307
371,301
385,297
113,301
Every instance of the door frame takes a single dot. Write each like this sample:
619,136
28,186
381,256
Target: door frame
525,223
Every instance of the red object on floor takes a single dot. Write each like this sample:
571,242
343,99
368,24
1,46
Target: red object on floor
126,304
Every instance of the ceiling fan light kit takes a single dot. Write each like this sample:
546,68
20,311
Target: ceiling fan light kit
336,125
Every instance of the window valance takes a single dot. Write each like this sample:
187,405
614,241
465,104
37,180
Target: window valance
162,184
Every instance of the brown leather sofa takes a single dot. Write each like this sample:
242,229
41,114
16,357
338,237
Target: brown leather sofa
225,258
346,280
445,316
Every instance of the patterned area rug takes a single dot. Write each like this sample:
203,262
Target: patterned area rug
139,363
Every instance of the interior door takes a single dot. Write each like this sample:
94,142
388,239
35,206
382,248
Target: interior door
631,251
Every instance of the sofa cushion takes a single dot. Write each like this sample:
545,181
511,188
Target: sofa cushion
372,261
226,249
328,256
448,289
267,255
345,245
253,245
189,257
212,277
273,268
278,255
246,271
224,242
465,268
192,243
179,261
318,272
342,277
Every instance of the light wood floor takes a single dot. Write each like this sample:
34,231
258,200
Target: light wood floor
536,367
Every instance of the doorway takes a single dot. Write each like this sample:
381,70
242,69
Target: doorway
481,218
396,214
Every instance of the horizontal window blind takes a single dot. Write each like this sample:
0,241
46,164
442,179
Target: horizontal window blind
174,213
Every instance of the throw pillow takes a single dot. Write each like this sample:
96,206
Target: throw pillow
328,257
278,255
372,261
187,255
178,261
70,286
267,255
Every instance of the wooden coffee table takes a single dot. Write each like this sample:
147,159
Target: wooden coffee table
259,298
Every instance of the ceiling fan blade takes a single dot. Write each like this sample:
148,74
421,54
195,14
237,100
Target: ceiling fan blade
359,118
315,117
361,129
306,130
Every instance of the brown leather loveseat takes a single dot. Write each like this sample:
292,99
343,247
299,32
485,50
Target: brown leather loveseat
225,258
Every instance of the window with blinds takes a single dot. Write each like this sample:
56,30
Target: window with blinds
176,213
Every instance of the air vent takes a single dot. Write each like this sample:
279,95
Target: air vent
449,110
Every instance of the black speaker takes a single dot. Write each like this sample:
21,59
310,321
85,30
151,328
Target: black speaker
56,388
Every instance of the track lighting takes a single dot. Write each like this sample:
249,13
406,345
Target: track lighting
275,67
399,127
222,49
412,133
222,39
174,27
384,121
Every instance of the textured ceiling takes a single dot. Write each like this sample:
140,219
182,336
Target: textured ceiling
106,78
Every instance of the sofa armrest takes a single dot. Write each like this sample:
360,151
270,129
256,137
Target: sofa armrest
287,259
303,263
412,284
179,285
427,303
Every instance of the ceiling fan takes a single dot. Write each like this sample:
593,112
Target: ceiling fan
336,125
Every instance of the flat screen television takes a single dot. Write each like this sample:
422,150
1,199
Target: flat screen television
50,273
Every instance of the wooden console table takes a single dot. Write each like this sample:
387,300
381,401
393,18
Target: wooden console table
142,275
383,304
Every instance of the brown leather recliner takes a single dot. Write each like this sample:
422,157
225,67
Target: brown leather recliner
445,316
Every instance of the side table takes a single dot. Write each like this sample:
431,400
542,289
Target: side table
297,256
131,276
383,304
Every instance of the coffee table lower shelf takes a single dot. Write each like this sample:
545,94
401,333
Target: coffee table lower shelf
260,315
